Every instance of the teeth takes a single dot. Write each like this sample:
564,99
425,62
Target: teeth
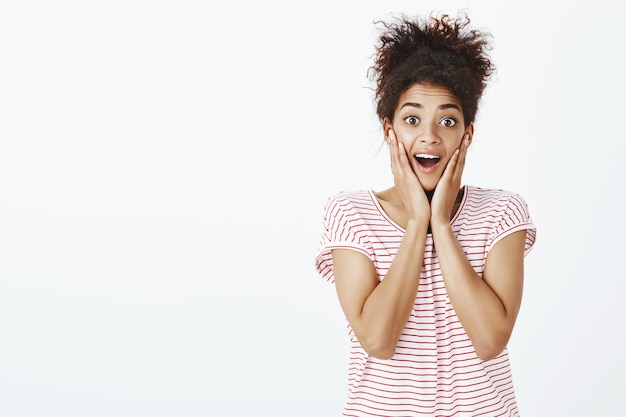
425,156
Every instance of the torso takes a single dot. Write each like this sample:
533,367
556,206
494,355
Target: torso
435,370
393,206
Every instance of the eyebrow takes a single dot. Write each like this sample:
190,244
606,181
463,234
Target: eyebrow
442,107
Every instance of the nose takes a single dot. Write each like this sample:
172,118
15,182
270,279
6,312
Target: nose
428,135
427,139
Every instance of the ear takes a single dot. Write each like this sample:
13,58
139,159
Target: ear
387,125
470,131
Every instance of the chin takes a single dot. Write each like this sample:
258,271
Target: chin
428,186
429,181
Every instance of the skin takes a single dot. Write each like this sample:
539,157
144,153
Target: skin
429,119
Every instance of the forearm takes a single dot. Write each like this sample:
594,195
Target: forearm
477,306
388,307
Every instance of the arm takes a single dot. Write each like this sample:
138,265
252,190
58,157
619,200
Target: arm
378,311
487,307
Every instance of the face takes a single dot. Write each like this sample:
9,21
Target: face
428,121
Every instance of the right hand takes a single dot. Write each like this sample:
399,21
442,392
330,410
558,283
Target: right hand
406,182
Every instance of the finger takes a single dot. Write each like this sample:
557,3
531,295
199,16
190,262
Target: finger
460,165
450,170
393,150
454,169
392,134
403,158
400,154
395,145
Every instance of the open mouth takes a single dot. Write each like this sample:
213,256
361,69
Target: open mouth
425,160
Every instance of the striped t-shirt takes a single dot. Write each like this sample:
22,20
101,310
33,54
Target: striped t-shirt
435,370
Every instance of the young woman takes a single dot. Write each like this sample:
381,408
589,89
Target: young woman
429,273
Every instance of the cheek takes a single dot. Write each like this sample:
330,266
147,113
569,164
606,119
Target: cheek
405,136
406,142
456,143
452,146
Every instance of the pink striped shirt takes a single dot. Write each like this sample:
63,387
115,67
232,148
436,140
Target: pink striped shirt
435,370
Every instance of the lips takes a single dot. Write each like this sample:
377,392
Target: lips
426,160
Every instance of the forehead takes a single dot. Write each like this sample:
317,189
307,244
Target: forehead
427,94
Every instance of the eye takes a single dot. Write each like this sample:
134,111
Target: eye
411,120
448,122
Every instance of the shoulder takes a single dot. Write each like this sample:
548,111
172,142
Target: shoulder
354,200
493,198
347,224
500,211
491,193
351,195
352,211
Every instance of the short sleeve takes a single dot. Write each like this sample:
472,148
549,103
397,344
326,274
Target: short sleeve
342,228
515,217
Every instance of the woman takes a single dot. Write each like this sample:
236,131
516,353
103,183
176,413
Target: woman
429,273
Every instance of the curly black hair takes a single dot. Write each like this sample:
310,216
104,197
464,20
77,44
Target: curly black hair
438,50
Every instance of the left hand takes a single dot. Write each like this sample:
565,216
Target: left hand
448,186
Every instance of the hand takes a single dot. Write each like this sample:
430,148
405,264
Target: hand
448,186
406,182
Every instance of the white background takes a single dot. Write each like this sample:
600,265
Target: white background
163,167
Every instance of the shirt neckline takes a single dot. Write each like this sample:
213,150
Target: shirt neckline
382,212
